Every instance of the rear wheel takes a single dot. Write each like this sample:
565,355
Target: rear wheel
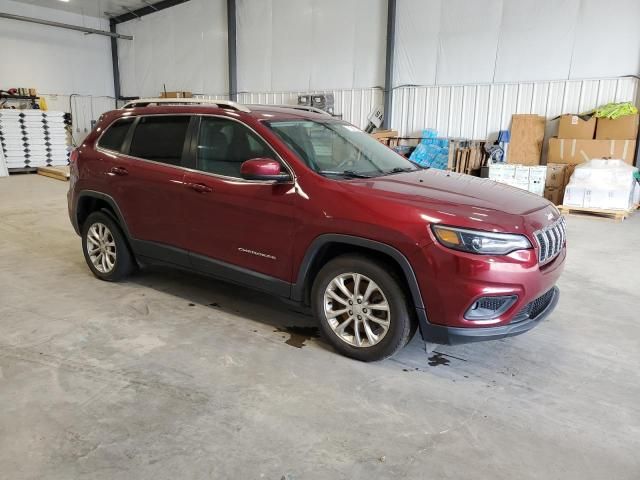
105,248
362,309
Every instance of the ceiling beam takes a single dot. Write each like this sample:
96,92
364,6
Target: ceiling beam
67,26
150,8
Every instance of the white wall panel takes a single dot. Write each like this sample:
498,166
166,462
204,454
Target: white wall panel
416,48
607,39
480,111
457,42
183,47
300,45
469,34
536,39
53,59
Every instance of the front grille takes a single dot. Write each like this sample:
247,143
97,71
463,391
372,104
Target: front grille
534,308
550,241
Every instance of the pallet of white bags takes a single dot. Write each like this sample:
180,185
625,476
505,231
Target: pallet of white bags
617,215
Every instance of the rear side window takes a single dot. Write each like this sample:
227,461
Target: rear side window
114,136
160,138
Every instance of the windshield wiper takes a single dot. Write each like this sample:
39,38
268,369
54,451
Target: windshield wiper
401,170
344,173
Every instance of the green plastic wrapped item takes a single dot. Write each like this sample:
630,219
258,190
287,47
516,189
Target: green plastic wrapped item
615,110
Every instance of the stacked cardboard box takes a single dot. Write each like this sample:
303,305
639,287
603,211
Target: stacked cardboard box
530,178
558,175
576,144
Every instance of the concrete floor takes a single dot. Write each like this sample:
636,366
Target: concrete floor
171,375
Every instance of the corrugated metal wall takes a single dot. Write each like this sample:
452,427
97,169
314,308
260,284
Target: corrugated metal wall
353,105
480,111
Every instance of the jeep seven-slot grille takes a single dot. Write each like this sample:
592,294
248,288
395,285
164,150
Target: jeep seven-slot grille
534,308
550,241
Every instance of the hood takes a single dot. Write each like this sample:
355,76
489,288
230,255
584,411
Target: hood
458,199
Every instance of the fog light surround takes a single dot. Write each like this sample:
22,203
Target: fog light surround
489,308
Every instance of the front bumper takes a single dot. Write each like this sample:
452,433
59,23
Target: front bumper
457,335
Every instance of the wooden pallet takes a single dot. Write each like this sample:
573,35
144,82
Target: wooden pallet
59,173
22,169
617,215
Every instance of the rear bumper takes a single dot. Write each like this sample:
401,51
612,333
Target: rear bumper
457,335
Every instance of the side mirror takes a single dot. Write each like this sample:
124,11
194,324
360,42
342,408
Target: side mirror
263,169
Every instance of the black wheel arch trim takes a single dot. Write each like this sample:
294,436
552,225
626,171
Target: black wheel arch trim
298,289
107,198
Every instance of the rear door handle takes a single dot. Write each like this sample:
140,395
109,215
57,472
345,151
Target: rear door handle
200,187
118,171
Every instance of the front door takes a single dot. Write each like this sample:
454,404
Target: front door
236,228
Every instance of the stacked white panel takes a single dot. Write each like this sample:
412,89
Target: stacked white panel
33,138
57,143
12,138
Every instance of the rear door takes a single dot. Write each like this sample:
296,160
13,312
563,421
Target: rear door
232,221
147,182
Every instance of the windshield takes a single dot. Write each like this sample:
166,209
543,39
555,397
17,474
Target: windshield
339,149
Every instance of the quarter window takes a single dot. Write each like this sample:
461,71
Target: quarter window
114,136
160,138
224,144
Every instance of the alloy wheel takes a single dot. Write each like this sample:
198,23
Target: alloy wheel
101,247
357,309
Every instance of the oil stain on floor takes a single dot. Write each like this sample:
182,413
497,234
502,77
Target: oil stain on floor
299,335
438,359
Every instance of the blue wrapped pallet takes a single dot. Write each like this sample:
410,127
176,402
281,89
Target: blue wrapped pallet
432,151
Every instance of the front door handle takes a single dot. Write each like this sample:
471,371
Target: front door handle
118,171
200,187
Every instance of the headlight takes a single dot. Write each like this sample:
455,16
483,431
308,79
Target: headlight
478,241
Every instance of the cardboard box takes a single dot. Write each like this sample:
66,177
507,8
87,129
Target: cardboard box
555,175
522,174
572,126
623,128
527,134
554,194
501,172
383,134
176,95
579,151
567,174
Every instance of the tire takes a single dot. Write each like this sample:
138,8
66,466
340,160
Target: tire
340,331
106,235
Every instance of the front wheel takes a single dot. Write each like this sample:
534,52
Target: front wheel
362,309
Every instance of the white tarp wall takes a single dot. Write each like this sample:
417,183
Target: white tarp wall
54,60
183,47
306,45
71,70
287,47
464,67
456,42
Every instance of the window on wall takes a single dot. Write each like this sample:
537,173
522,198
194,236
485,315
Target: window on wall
160,138
224,144
113,138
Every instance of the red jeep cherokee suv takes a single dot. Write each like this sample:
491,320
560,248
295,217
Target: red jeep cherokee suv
310,208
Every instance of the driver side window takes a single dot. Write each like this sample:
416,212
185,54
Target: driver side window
224,144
